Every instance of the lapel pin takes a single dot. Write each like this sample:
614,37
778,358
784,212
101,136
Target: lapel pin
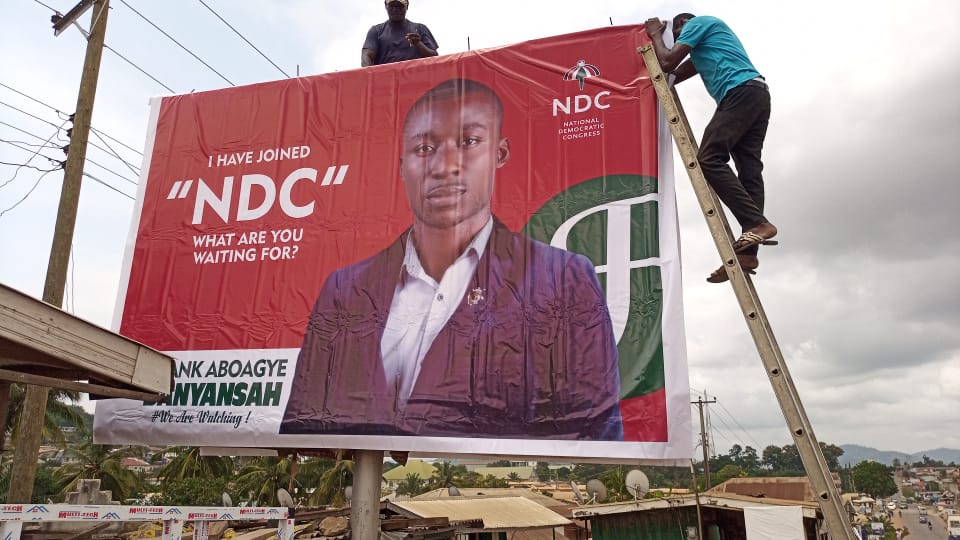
475,296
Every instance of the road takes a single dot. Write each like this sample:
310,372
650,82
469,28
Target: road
917,530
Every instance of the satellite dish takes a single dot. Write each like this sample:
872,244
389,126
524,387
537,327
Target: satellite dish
597,491
227,501
637,483
348,493
453,491
576,492
285,499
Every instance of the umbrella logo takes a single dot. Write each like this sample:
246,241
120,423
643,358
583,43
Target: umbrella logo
581,71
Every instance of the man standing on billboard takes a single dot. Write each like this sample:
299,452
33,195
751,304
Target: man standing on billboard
397,39
460,327
738,126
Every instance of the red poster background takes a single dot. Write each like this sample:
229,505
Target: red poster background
354,118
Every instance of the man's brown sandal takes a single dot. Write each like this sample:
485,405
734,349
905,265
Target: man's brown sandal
720,274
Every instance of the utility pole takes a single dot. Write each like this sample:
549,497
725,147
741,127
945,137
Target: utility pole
24,467
705,441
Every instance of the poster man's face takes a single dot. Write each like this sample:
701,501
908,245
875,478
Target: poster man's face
451,150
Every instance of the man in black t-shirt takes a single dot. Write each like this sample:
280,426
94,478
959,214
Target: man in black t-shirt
397,39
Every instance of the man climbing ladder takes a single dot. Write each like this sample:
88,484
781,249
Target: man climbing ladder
738,126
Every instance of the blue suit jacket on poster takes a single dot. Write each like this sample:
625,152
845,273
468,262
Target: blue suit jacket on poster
536,358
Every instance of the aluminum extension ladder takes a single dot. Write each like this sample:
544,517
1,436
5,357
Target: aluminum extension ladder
828,496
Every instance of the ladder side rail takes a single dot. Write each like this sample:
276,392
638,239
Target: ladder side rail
770,354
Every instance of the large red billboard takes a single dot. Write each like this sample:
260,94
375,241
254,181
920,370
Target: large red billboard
474,253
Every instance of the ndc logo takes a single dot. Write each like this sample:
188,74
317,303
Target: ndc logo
581,102
175,511
37,509
581,72
110,515
226,516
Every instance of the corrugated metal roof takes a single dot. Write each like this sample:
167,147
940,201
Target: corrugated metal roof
486,493
794,488
421,468
496,513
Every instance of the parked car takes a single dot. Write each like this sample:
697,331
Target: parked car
903,505
923,519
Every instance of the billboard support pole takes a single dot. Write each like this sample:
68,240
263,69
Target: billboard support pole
838,523
24,468
365,500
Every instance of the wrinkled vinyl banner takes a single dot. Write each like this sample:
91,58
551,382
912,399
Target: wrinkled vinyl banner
470,254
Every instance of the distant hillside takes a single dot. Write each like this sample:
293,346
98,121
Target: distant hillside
854,453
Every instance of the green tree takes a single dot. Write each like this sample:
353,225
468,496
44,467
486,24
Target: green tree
44,484
615,480
543,471
262,476
333,482
61,411
728,472
104,463
749,460
772,458
412,485
188,463
446,474
831,454
193,491
874,478
500,463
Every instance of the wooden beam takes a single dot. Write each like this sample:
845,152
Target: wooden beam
89,388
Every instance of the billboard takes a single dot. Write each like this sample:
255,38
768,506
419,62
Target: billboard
468,254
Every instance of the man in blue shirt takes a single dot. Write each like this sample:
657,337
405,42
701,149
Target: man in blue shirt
397,39
738,126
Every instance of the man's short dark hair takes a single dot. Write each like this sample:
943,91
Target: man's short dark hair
457,88
682,17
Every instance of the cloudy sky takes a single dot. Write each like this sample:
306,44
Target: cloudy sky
861,161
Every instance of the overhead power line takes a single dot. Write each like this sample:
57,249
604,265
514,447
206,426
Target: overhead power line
138,68
33,155
88,160
59,112
237,32
35,184
151,23
101,182
111,49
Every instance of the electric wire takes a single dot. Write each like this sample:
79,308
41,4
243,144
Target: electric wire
48,7
133,169
237,32
111,49
101,182
88,160
138,68
34,167
33,155
59,112
5,104
151,23
734,418
35,184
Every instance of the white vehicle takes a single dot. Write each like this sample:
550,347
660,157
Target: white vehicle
892,505
953,527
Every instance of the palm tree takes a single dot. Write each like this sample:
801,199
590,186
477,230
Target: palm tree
446,474
262,476
330,489
61,408
188,463
102,462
